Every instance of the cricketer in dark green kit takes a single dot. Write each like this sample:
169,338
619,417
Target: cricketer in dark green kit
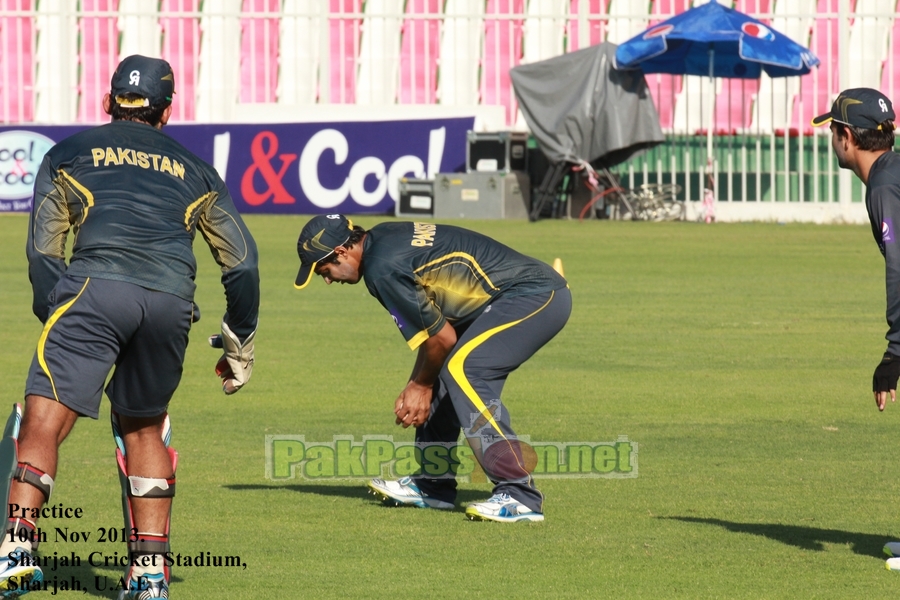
475,310
134,199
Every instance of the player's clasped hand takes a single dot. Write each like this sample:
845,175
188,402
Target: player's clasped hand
884,380
413,405
236,365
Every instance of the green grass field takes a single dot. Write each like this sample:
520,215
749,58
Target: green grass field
737,356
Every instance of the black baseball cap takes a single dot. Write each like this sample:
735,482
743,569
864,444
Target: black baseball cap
320,236
859,107
150,78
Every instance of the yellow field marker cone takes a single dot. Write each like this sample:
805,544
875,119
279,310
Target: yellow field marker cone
557,266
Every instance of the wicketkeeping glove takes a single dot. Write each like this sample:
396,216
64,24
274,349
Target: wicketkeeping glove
886,373
236,364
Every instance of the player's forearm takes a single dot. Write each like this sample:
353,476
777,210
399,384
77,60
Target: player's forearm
44,273
432,354
242,300
893,312
45,247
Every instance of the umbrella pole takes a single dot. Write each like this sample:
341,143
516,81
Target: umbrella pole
710,120
709,192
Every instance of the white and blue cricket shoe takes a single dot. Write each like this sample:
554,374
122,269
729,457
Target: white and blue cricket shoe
146,587
503,509
20,575
403,492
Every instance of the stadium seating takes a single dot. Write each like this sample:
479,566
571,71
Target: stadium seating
98,56
419,53
259,51
344,43
181,47
596,27
627,18
379,52
449,52
461,44
665,89
16,62
734,101
545,27
299,50
502,51
890,74
818,89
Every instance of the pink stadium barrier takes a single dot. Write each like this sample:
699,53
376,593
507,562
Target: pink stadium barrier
181,47
259,51
665,88
815,90
344,32
596,27
734,102
16,63
890,74
419,51
502,51
98,54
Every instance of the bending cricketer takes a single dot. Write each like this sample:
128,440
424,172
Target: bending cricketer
135,199
475,310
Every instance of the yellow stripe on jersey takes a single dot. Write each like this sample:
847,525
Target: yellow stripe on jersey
457,364
84,194
224,236
190,216
417,340
42,341
468,259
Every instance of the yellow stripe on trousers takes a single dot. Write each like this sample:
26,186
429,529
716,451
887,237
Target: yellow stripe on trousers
458,361
42,342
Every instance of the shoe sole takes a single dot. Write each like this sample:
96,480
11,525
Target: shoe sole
533,518
387,498
24,577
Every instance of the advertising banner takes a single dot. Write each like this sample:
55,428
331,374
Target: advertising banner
288,168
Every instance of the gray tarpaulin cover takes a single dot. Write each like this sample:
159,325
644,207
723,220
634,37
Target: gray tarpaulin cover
580,108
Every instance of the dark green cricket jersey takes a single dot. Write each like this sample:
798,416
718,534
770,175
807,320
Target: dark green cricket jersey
426,274
134,199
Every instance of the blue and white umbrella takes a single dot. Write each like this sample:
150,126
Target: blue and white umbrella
711,39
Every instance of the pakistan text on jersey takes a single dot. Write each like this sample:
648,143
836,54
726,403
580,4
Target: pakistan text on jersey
126,156
424,234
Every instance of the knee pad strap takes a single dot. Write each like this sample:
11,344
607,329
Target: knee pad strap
26,473
149,543
151,487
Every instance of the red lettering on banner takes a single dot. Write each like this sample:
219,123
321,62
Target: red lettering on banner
262,150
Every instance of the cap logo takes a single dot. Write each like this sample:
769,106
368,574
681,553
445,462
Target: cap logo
315,243
883,105
845,104
134,78
332,216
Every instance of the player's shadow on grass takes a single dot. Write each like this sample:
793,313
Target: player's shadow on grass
359,490
807,538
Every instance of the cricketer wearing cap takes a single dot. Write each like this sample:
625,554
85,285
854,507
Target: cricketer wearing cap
475,310
862,136
135,199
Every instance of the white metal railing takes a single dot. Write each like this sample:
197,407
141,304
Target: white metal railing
379,53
